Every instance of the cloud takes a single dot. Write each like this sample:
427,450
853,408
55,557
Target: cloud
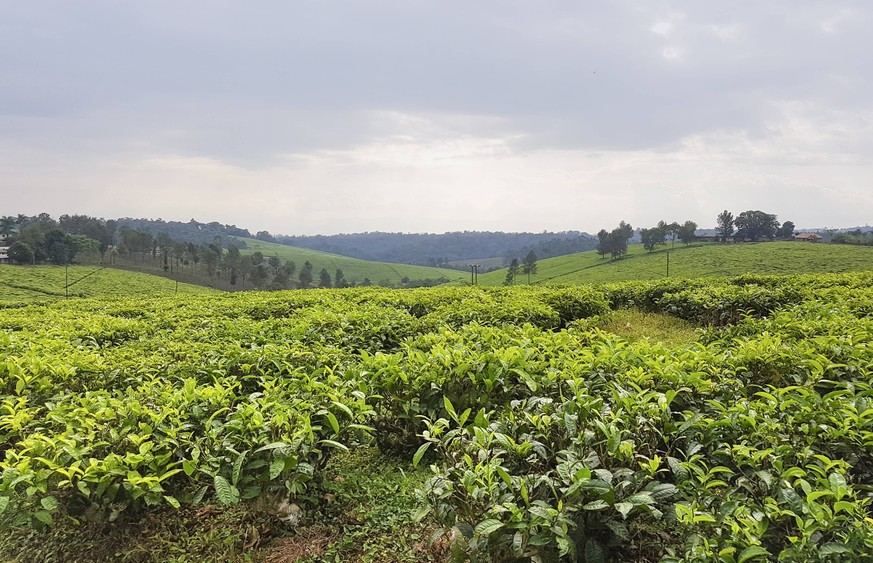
319,117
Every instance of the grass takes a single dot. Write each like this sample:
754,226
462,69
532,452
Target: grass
29,284
636,325
354,270
700,260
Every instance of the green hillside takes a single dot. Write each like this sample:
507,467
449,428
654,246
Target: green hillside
382,273
701,260
26,284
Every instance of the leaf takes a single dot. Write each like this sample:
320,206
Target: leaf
334,423
624,508
619,529
237,467
750,552
276,468
4,504
640,498
420,453
663,491
420,513
843,506
43,516
596,505
335,444
272,446
504,475
450,408
487,527
227,494
833,548
594,552
172,501
189,467
49,503
343,408
597,486
198,496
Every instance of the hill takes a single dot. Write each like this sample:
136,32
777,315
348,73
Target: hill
433,249
701,260
354,270
27,284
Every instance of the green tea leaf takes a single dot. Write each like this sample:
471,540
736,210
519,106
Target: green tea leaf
487,527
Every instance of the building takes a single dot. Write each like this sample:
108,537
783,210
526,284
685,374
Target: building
807,237
4,254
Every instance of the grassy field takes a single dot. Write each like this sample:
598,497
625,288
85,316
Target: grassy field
27,284
703,260
354,270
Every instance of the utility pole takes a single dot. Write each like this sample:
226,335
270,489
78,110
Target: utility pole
474,274
668,263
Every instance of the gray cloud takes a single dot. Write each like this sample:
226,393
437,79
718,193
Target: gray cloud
305,92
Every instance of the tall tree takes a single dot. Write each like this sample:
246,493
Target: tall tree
603,242
652,238
755,225
339,279
22,253
59,247
511,272
786,231
530,265
725,225
686,231
305,276
324,278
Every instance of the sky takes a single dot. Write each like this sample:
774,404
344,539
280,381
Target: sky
320,117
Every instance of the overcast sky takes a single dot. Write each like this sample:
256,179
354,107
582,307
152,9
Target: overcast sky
305,117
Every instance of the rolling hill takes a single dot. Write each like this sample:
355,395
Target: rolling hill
28,284
354,270
699,260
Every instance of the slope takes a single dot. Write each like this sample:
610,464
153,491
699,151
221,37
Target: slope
354,270
701,260
27,284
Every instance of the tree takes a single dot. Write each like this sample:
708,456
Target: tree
258,275
651,238
305,276
686,231
616,241
59,247
603,242
786,231
7,225
755,225
530,265
339,279
21,253
511,272
725,225
324,278
670,230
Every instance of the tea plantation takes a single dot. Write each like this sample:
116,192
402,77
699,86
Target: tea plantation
484,424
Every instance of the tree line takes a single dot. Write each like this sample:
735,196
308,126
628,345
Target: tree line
41,239
752,225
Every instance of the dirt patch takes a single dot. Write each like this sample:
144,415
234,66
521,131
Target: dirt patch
311,541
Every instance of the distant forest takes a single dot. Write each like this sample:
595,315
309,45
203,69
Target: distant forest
440,249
